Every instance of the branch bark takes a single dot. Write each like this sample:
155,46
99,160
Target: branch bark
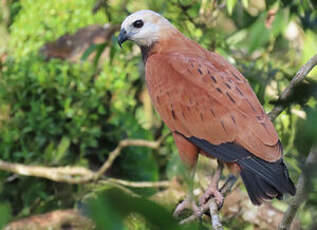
302,191
215,219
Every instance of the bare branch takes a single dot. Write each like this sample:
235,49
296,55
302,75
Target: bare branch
215,219
72,175
301,191
133,184
300,75
80,175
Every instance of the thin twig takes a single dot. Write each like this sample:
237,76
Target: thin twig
301,191
300,75
124,143
134,184
188,219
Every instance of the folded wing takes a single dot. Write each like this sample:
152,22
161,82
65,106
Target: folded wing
207,98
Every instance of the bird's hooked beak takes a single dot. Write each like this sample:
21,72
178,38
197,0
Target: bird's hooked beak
123,36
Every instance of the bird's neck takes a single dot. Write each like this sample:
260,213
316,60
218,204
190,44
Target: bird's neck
146,50
173,42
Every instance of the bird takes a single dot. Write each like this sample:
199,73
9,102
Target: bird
210,109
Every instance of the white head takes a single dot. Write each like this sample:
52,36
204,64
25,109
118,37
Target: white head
143,27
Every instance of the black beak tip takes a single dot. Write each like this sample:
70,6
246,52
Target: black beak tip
119,43
122,37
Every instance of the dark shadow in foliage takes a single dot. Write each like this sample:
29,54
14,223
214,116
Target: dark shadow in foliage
110,208
300,95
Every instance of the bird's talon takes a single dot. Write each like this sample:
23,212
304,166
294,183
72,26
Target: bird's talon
212,193
220,205
189,204
185,204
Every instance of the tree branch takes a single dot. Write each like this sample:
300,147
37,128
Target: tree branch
71,175
301,191
122,144
215,219
142,184
300,75
80,175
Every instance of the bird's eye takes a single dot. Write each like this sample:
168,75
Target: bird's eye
138,23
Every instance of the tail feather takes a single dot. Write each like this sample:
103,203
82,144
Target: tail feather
258,189
263,180
255,194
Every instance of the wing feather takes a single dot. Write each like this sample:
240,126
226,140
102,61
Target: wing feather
209,99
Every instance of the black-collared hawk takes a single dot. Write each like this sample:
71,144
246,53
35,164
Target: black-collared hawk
208,105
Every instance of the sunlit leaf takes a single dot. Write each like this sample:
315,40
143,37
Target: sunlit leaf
230,5
310,48
62,149
245,3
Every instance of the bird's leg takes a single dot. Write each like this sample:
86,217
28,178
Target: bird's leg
188,202
213,189
227,186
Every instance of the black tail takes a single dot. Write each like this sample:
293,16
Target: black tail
262,179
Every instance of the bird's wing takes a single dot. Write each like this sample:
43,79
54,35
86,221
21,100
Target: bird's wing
207,98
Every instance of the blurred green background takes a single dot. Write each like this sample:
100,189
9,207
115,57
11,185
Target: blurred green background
58,111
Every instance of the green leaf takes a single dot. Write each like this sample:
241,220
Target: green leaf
104,216
230,5
62,149
99,50
258,35
245,3
88,51
310,49
279,23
